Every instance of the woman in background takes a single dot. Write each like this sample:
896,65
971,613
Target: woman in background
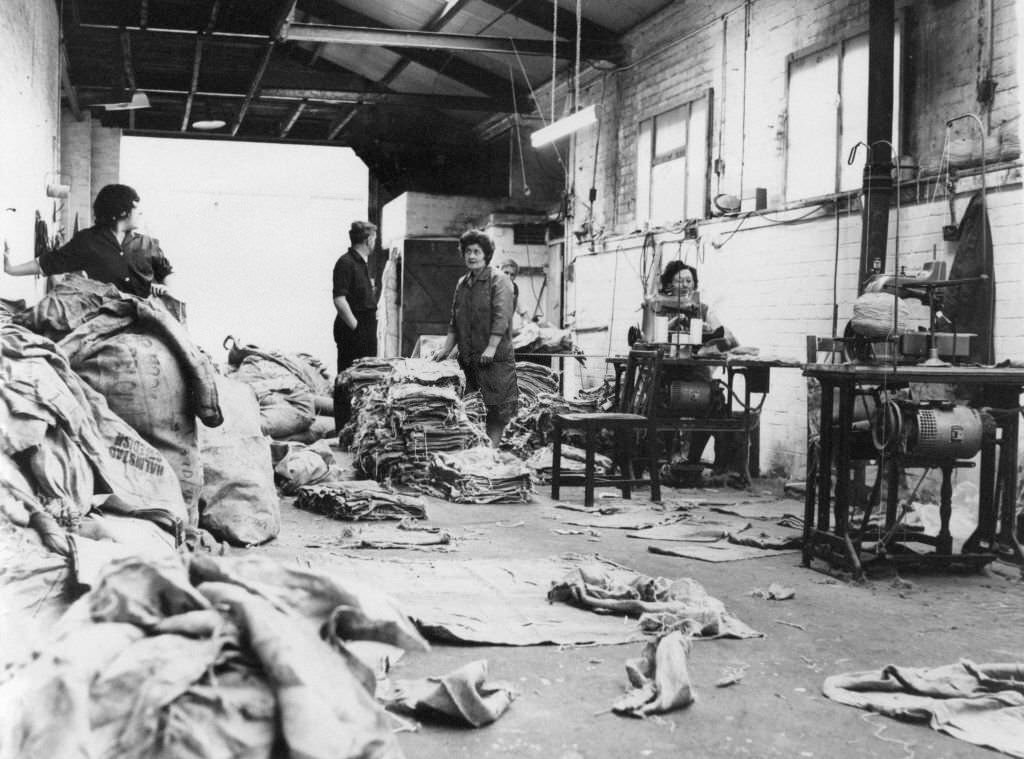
481,327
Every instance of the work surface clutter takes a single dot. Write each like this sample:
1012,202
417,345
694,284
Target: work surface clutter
196,563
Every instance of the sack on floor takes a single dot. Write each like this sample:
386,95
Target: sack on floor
238,501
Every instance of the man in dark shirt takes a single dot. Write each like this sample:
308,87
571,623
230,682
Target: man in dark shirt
355,300
110,251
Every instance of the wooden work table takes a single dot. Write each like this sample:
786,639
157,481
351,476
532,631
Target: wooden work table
997,390
743,409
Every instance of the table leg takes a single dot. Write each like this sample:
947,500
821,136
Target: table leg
825,458
944,540
556,461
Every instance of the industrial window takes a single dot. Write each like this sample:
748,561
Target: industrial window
672,164
827,115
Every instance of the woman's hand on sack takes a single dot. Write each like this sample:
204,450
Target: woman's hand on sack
157,289
487,357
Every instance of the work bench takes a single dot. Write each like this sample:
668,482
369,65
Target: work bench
637,391
828,529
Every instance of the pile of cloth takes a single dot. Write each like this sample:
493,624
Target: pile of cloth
531,427
416,413
480,475
533,380
293,390
208,657
573,461
357,501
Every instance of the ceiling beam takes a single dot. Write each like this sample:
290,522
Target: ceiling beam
357,35
95,94
254,85
339,124
65,82
403,99
440,61
537,14
277,34
197,60
438,22
293,118
129,71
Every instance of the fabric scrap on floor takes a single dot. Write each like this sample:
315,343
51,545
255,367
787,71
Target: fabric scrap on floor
718,551
981,704
660,604
358,500
660,678
463,696
495,601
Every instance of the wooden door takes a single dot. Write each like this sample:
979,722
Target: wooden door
430,270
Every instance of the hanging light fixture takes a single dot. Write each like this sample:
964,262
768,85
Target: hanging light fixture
209,121
138,100
564,126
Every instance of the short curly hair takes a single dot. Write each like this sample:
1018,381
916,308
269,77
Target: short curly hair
113,203
479,237
673,268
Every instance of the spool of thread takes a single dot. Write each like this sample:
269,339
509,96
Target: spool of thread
58,190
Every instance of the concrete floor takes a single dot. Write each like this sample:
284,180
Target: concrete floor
923,619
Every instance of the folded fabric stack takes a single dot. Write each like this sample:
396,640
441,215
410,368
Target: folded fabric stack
531,427
399,427
533,380
573,462
475,409
480,475
359,500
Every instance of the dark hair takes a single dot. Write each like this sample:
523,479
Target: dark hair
673,268
510,263
113,203
360,231
480,238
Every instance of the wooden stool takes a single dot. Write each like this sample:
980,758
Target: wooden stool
624,426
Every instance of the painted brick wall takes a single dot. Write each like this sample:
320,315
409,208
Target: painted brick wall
29,97
772,284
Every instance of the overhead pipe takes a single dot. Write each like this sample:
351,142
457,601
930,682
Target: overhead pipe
877,182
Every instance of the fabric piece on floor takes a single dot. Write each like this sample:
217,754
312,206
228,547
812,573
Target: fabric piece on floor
981,704
660,678
741,532
660,603
463,696
717,552
358,500
381,536
495,601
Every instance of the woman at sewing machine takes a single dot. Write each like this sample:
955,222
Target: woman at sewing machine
692,322
679,299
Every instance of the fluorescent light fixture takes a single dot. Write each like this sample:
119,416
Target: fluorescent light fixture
139,100
209,125
564,127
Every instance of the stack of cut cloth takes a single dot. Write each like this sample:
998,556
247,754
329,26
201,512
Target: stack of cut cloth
533,380
368,374
573,462
417,413
531,427
480,475
358,500
293,391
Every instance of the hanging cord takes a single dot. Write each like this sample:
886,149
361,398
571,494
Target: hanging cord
611,309
533,96
519,139
835,279
554,54
576,74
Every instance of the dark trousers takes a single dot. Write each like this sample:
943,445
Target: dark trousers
352,344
